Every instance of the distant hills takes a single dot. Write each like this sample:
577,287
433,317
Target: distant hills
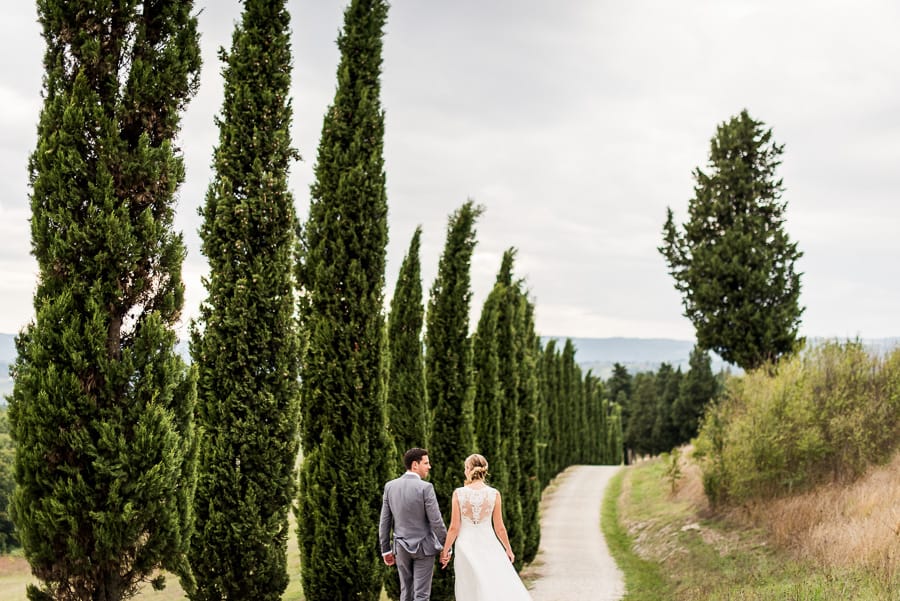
635,354
596,354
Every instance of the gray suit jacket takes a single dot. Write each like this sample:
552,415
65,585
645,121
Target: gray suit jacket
410,509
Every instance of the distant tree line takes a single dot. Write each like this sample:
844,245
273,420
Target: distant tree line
662,409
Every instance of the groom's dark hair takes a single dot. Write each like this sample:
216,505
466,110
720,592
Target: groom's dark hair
413,455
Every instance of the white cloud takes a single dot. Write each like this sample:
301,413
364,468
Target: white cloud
576,124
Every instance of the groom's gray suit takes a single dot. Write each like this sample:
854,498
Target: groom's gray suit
410,509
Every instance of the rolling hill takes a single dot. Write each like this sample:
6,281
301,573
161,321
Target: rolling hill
597,354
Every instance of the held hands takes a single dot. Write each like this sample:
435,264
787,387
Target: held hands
446,552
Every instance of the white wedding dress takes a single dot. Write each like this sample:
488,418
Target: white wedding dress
483,571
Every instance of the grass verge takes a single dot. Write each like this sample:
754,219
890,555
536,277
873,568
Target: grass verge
670,549
643,579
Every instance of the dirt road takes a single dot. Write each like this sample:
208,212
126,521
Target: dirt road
573,563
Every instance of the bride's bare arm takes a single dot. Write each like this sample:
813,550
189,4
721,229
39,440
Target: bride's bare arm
452,531
500,529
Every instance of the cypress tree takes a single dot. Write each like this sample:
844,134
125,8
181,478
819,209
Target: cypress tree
507,471
550,372
246,345
529,427
572,431
487,403
733,263
614,436
407,407
595,420
448,368
343,415
406,403
542,434
101,412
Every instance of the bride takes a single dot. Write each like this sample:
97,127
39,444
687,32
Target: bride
483,564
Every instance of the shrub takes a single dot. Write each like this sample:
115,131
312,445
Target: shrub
824,415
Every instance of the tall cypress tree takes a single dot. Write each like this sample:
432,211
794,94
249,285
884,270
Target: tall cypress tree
343,421
508,472
595,420
733,263
486,366
530,410
246,345
101,412
550,382
406,403
570,406
448,368
407,406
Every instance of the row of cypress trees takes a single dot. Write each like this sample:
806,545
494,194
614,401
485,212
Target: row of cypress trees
127,460
498,392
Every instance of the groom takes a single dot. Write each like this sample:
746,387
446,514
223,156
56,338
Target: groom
410,509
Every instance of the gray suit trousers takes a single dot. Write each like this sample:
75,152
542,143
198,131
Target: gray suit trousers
415,570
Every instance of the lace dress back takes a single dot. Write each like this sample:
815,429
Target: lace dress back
483,571
477,504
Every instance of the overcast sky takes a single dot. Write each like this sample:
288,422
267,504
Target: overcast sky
575,123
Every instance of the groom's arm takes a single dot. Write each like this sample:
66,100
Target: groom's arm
434,514
384,529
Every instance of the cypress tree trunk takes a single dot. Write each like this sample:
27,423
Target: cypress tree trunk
102,408
343,420
246,344
448,369
407,406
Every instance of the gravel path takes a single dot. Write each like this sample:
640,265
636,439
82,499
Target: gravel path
573,562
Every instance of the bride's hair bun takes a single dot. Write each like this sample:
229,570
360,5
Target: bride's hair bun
477,467
478,472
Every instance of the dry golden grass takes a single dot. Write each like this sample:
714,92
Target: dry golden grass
689,487
839,525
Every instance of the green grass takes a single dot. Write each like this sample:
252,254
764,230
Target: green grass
643,579
16,576
668,552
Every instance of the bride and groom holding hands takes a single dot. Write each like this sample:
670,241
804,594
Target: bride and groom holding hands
483,556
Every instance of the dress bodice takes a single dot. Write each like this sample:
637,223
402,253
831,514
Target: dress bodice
476,504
